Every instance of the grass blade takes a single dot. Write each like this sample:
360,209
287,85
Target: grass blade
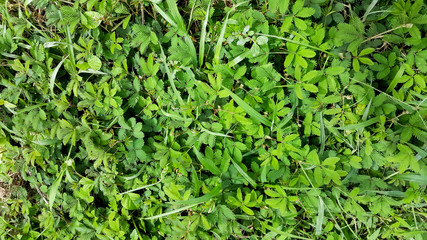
53,76
171,212
290,114
31,108
54,189
421,153
366,112
396,79
192,49
248,109
416,178
203,36
399,194
238,59
215,191
220,40
128,178
299,43
140,188
369,9
360,125
175,116
322,135
209,165
337,134
244,174
173,9
221,35
320,214
165,16
170,76
282,233
214,133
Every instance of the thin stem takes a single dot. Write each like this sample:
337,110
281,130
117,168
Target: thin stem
380,35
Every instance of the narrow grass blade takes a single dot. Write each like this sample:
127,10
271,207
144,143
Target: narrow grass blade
221,35
322,135
31,108
54,189
365,117
396,79
190,19
174,116
244,174
90,71
53,76
4,127
173,9
203,36
337,134
416,178
220,40
282,233
369,9
192,49
214,192
170,76
366,112
238,59
209,165
165,16
171,212
214,133
320,215
248,109
290,114
140,188
360,125
70,47
375,235
136,228
399,194
421,153
128,178
299,43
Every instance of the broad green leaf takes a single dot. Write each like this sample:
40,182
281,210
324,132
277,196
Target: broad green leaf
310,87
298,91
93,19
366,51
334,70
331,161
94,63
307,53
356,65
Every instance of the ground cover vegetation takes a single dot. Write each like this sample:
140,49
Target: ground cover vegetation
222,119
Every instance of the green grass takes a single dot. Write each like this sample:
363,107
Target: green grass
207,119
